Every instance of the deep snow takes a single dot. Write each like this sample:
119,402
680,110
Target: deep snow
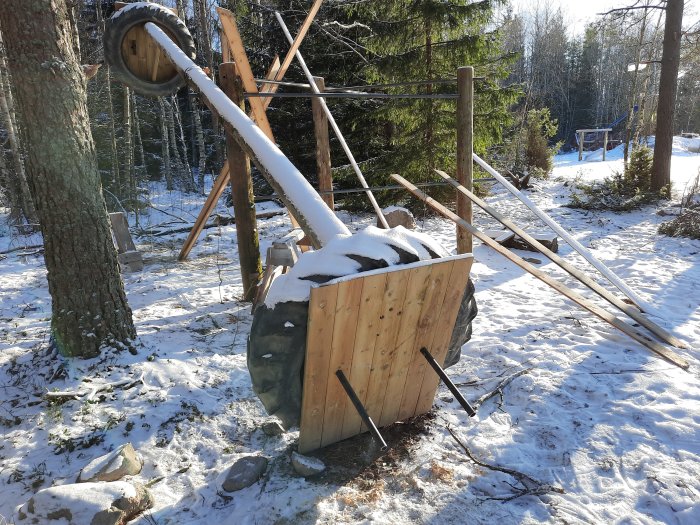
595,414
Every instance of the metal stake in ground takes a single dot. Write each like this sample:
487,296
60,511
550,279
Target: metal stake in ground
333,124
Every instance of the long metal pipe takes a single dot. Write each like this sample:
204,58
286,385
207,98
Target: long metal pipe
316,219
582,250
333,124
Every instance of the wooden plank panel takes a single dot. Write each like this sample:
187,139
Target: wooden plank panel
271,74
385,347
318,342
416,291
443,331
347,310
363,351
429,316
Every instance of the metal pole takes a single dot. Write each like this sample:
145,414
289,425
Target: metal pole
448,382
360,408
333,124
584,252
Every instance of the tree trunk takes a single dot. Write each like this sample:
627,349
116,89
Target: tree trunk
201,149
139,141
668,84
165,144
89,306
7,115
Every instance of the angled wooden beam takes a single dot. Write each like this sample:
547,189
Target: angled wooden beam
235,44
289,57
209,205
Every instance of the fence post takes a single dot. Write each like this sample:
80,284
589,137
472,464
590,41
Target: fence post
242,192
465,149
323,150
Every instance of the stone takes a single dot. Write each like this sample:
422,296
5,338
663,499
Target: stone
98,503
272,428
244,472
307,466
124,461
397,216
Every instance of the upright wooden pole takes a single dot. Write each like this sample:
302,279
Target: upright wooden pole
242,192
605,143
580,146
323,149
465,149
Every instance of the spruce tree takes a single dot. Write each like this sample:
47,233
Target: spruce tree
410,40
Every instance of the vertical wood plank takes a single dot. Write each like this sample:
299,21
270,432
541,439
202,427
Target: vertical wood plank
443,331
385,347
416,291
580,146
367,332
465,149
429,316
347,310
323,146
316,368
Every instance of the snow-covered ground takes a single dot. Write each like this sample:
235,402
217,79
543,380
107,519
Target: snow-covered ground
610,430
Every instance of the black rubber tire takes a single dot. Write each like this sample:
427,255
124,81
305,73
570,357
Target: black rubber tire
119,24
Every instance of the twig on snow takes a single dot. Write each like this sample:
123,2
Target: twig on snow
499,388
92,392
531,486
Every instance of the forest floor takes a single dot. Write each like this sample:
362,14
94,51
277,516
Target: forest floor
590,427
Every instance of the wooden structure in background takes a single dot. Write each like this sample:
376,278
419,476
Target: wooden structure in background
582,135
129,258
465,148
372,327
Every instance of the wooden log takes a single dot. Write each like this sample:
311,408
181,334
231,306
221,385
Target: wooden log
605,142
631,311
548,240
580,146
323,147
606,316
216,191
465,148
242,194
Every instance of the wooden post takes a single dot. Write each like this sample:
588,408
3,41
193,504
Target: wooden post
580,146
605,143
465,149
242,193
323,149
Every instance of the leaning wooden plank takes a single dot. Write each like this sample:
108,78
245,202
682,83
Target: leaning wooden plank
443,331
559,287
633,312
582,250
120,230
289,57
318,222
367,329
316,367
216,191
345,327
235,43
271,74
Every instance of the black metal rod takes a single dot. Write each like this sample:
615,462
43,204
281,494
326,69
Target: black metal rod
358,94
448,382
360,408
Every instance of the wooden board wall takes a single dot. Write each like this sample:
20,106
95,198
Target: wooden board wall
372,327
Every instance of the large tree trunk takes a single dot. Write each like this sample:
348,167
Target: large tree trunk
89,306
668,84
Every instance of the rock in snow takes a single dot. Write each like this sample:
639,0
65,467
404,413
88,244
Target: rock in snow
272,428
307,466
86,503
244,472
124,461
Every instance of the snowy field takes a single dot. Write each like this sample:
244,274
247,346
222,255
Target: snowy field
590,428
